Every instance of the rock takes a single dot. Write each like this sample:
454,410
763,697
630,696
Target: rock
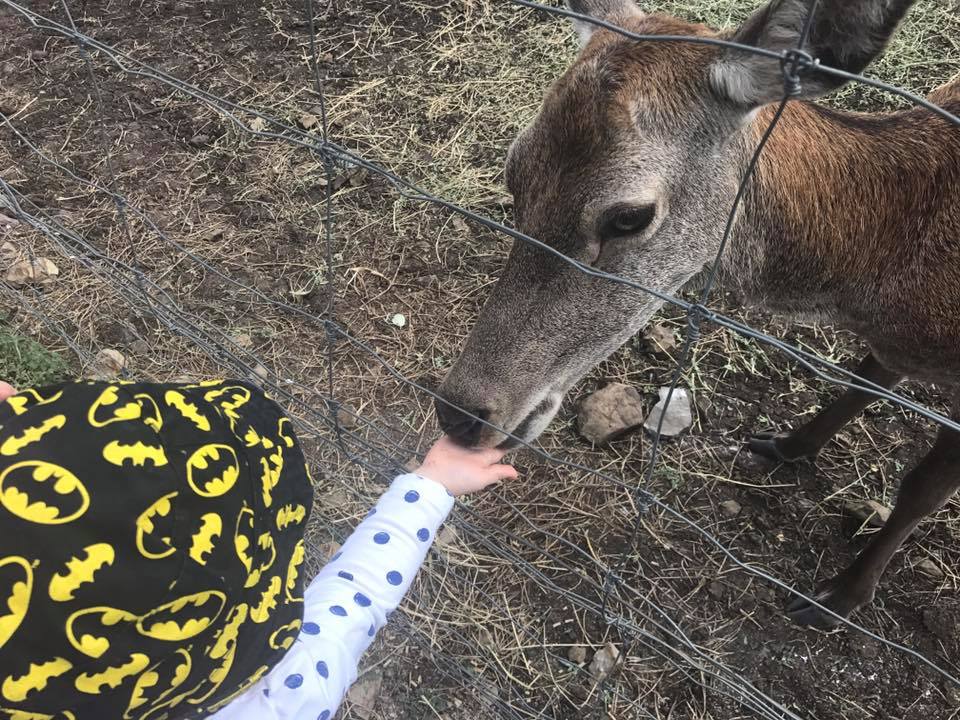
604,661
660,340
363,695
346,416
610,412
716,590
38,271
7,222
260,372
577,654
243,340
871,512
730,508
107,365
447,536
400,320
930,568
258,124
199,139
677,417
8,252
308,121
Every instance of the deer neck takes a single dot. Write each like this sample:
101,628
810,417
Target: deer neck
835,205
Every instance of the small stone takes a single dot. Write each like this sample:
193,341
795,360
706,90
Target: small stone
363,695
399,320
308,121
244,341
38,271
677,417
604,661
577,654
660,340
347,417
730,508
199,139
258,124
447,536
930,568
108,364
8,253
7,222
609,413
716,590
260,372
871,512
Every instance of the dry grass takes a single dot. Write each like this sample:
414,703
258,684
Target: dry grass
436,92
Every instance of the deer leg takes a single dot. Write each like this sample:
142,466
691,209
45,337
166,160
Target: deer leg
922,491
807,440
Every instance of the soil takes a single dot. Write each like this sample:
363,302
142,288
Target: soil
519,578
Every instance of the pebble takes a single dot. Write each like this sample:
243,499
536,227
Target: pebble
677,417
871,512
730,508
610,413
577,654
604,661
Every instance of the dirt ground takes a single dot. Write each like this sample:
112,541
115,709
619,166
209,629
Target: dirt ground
505,620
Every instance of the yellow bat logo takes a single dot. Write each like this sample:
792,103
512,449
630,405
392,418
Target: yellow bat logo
265,542
239,396
178,401
30,398
272,467
151,679
292,629
16,594
172,622
19,483
224,649
16,689
287,435
211,527
111,677
246,685
293,571
80,570
154,420
147,529
268,601
15,443
87,643
111,396
213,470
290,515
116,453
10,714
243,537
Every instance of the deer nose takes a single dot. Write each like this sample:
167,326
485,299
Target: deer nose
464,426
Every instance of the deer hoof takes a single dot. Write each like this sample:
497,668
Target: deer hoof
806,614
765,445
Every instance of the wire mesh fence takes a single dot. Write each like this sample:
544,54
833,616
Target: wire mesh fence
497,622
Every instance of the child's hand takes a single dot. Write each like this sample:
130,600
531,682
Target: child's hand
6,391
462,471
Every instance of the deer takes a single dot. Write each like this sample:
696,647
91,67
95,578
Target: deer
630,167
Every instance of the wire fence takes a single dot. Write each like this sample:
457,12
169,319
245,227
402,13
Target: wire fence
613,596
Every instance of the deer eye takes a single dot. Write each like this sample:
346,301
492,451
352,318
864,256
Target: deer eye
624,220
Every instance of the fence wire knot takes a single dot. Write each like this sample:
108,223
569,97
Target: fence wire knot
695,316
792,64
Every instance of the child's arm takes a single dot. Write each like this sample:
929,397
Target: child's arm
351,598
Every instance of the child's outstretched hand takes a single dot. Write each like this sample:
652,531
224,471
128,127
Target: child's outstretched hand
6,391
461,470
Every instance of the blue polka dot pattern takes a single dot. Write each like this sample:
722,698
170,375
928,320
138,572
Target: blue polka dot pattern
345,575
381,538
322,669
412,496
311,628
423,534
266,692
372,631
338,611
325,715
394,578
361,600
336,557
293,681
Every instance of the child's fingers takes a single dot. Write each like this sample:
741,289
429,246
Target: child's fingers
6,391
503,472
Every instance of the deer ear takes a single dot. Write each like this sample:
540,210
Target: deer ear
845,34
612,11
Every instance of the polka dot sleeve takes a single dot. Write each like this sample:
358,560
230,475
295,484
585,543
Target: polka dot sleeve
347,603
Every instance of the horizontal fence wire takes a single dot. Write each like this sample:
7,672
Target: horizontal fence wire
611,599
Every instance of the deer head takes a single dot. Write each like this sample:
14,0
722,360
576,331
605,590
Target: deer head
630,167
